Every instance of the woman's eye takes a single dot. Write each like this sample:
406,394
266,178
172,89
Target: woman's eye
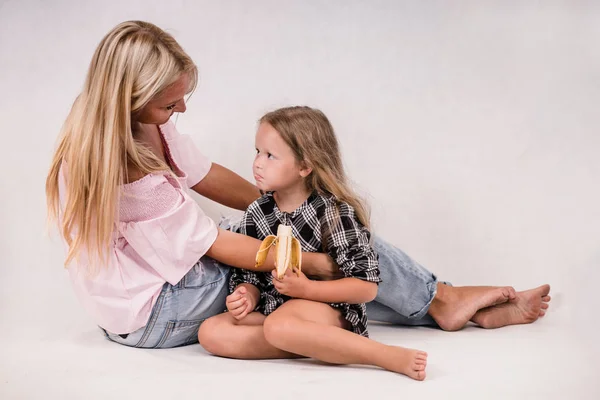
172,106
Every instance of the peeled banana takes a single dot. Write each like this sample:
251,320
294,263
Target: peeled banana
288,253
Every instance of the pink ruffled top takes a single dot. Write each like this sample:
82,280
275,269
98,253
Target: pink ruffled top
160,236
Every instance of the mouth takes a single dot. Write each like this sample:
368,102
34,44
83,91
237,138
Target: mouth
258,178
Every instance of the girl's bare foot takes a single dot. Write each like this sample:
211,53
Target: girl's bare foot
453,307
526,308
409,362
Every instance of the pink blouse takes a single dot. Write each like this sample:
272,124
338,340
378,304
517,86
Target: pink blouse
161,234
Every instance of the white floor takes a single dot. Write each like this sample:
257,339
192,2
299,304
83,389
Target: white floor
541,361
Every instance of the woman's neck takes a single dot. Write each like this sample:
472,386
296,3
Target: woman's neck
290,199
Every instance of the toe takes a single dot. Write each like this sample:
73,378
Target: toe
546,298
545,289
544,306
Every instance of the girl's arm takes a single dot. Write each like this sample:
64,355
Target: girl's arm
345,290
239,251
226,187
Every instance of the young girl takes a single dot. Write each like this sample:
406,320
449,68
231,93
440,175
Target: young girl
298,165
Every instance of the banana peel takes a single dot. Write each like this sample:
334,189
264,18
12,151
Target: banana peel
288,253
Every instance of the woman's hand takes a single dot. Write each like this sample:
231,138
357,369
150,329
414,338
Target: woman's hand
242,301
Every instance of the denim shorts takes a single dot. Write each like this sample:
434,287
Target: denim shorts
181,308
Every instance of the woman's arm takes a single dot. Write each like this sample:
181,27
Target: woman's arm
239,251
226,187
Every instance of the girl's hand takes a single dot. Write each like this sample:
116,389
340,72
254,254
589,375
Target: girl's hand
291,284
240,303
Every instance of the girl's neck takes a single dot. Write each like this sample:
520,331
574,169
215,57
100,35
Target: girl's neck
291,198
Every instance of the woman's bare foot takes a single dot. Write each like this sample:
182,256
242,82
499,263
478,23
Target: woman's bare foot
453,306
526,308
409,362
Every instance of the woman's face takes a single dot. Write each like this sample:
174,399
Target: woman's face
169,101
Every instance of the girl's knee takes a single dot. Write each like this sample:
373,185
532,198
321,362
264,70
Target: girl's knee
277,327
209,336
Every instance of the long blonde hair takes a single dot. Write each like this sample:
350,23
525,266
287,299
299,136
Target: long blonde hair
311,137
133,63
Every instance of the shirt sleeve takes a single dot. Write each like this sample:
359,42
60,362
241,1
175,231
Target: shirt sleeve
185,154
347,242
169,244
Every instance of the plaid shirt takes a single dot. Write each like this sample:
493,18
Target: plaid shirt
321,224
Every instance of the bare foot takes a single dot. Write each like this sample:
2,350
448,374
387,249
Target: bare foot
526,308
409,362
453,307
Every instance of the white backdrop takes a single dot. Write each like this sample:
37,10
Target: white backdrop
471,126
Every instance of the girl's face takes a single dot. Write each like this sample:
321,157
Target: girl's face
275,166
161,108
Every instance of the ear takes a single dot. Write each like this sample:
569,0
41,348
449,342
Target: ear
305,168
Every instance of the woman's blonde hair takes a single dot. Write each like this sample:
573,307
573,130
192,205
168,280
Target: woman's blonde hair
133,63
310,135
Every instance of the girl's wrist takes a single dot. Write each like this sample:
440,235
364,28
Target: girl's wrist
308,291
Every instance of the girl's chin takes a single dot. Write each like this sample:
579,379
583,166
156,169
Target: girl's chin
262,186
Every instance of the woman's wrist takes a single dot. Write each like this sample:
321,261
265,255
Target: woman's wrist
320,265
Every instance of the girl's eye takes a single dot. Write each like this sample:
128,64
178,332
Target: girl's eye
172,106
270,156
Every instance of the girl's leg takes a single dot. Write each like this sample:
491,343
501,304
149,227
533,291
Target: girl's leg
316,330
223,335
411,295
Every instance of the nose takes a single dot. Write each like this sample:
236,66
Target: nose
180,106
257,162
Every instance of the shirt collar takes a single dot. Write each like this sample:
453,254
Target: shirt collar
294,213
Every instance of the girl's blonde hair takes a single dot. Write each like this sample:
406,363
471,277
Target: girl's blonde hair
310,135
133,63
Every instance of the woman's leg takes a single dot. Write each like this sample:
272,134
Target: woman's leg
527,307
406,291
316,330
224,336
411,295
180,309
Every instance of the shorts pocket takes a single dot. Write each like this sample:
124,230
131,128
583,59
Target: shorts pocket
206,272
179,333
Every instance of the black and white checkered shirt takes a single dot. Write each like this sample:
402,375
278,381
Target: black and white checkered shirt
321,224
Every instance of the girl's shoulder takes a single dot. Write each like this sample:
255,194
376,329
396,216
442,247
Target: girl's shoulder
331,204
264,204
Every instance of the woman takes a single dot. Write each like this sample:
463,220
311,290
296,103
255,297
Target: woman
145,260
